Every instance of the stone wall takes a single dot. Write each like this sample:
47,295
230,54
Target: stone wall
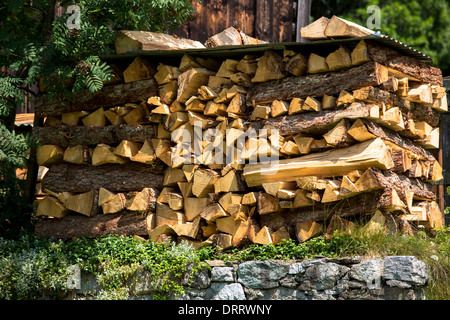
391,278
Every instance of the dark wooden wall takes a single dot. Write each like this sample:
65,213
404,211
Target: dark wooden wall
269,20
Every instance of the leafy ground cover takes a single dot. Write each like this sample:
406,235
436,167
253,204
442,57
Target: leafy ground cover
33,268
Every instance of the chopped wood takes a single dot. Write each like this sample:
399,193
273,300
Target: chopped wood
306,230
295,106
338,28
139,69
51,207
144,200
316,64
227,225
48,155
245,233
190,81
104,196
339,136
315,30
130,40
115,204
280,235
372,153
203,182
267,203
270,67
73,118
82,203
104,154
297,65
360,54
264,236
213,212
248,65
339,59
227,68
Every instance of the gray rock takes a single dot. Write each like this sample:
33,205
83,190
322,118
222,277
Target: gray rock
405,268
296,268
321,276
369,271
275,294
233,291
199,279
261,274
222,274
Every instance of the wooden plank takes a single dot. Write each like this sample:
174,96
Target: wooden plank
82,178
328,83
137,91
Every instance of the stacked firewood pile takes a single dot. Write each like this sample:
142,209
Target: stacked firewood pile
346,139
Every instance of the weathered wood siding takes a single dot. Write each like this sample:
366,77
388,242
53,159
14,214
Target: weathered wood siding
269,20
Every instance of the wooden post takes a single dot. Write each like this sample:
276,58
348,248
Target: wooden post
303,13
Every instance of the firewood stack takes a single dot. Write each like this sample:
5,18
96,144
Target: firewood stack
353,130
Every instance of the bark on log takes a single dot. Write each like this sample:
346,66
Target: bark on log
70,136
408,65
329,83
137,91
392,136
114,177
74,226
401,184
316,122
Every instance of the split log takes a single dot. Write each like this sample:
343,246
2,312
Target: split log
414,111
368,74
143,201
338,28
128,40
245,233
306,230
194,206
75,226
82,203
264,236
70,136
82,178
78,155
316,64
139,69
104,154
48,155
115,204
137,91
51,207
190,81
339,59
270,67
372,153
315,30
297,65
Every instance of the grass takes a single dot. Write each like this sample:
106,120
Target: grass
34,267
